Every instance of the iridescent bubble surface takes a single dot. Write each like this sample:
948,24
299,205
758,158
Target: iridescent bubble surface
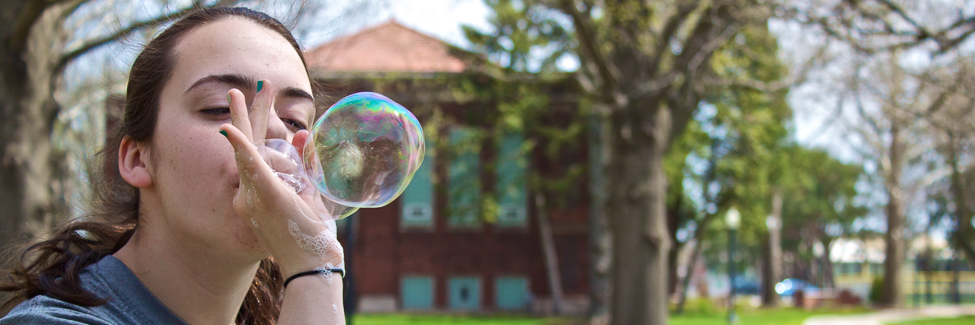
283,158
364,151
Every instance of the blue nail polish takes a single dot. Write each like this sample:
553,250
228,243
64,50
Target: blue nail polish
260,84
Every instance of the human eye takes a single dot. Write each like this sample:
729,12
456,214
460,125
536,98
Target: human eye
295,125
217,112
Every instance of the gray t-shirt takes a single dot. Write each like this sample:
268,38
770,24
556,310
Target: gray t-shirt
129,302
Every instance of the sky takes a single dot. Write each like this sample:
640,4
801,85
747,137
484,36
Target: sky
443,19
438,18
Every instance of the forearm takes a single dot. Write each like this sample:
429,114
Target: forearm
313,299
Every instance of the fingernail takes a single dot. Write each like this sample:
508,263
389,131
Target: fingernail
260,84
224,133
228,99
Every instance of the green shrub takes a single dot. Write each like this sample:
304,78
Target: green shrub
876,289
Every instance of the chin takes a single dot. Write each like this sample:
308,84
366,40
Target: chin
248,240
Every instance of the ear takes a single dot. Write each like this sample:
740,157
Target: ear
132,159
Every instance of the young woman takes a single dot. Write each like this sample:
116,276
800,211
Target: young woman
193,225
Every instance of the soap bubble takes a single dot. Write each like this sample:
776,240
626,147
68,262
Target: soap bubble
283,158
285,161
362,153
364,150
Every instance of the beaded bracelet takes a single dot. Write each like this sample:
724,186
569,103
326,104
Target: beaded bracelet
319,272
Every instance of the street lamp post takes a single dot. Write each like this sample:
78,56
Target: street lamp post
733,220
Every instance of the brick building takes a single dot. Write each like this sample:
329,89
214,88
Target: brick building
432,249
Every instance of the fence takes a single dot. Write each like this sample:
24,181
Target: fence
939,287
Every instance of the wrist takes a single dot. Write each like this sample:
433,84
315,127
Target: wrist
327,273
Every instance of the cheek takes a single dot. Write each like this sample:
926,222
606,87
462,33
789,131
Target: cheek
199,162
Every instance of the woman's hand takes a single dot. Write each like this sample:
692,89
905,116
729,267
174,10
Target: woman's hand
296,227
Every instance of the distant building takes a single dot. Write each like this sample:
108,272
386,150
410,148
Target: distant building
431,250
858,262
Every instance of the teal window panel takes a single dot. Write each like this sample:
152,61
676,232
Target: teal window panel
417,292
464,179
511,293
464,293
876,268
417,199
512,181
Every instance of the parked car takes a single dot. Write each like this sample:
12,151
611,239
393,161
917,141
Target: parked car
788,287
744,286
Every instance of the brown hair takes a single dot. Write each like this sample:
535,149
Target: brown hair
52,267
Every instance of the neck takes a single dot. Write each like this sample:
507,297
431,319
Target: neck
196,284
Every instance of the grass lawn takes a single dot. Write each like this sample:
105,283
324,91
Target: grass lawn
782,316
405,319
942,321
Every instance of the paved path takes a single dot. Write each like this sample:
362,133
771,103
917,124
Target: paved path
893,315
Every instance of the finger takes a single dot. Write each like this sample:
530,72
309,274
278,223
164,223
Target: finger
299,140
238,114
261,110
251,167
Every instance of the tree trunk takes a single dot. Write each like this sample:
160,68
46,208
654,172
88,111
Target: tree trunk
686,282
637,213
548,250
673,221
32,170
828,273
963,234
599,237
955,290
672,265
773,253
893,293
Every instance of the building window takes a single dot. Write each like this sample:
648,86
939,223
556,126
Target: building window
511,182
465,293
847,268
417,199
417,292
876,268
464,179
511,293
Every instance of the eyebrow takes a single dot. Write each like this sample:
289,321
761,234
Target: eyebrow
245,82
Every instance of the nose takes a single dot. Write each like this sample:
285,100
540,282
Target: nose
276,128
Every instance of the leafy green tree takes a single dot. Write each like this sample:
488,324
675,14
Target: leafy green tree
646,70
739,132
820,202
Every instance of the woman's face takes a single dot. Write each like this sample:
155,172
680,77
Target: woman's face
191,163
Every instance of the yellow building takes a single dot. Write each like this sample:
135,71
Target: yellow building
856,263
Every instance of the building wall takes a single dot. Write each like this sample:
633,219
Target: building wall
385,252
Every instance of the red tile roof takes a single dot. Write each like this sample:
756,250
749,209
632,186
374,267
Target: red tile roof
388,47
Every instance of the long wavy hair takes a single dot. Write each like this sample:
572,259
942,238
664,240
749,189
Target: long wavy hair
52,267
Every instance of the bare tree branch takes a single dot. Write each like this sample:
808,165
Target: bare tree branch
852,21
29,13
672,26
608,73
121,33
